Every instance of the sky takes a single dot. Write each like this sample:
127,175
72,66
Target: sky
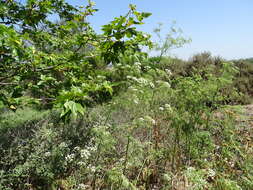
222,27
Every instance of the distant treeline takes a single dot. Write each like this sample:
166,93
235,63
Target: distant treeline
201,64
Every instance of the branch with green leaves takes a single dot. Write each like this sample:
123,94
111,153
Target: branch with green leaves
64,62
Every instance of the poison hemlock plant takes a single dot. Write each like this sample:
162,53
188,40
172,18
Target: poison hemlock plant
92,111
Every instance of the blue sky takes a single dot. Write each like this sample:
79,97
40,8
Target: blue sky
223,27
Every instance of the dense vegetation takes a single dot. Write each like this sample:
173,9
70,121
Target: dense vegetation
81,110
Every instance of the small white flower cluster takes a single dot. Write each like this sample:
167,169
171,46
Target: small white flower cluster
168,107
63,145
168,72
161,108
142,81
147,119
91,168
77,148
70,157
190,169
85,154
87,166
211,172
151,84
146,35
137,65
139,80
83,186
147,68
47,154
81,163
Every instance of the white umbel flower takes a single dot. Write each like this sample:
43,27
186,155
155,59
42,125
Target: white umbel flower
168,72
161,108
